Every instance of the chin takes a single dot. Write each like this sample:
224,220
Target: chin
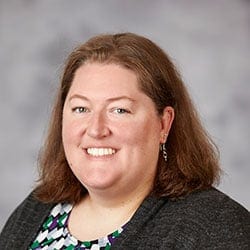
98,185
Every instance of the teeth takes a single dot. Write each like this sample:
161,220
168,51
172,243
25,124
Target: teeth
100,151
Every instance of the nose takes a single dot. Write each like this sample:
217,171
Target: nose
97,126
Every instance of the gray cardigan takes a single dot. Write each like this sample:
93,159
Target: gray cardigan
203,220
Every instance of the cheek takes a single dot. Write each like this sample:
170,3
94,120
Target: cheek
141,133
70,132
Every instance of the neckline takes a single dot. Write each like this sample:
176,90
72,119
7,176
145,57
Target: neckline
111,237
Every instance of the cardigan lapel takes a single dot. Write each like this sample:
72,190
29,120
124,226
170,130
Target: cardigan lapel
147,210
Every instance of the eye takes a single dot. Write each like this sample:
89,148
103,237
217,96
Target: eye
80,110
121,111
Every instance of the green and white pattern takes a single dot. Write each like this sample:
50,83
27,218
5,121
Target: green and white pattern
54,233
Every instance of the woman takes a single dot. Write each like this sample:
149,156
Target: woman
126,163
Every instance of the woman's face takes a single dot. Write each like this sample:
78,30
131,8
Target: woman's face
111,130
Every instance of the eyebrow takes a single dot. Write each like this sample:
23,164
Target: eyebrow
108,100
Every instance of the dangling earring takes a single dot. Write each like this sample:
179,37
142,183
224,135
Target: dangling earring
163,148
164,152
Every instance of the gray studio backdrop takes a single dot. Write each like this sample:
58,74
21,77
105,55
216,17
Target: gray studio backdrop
209,41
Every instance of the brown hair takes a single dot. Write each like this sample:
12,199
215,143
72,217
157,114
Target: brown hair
192,157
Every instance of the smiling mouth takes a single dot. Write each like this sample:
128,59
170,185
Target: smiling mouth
100,151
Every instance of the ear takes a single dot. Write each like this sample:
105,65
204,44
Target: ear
166,120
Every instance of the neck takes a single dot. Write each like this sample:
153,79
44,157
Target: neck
103,213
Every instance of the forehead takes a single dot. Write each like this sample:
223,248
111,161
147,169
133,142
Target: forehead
107,78
100,83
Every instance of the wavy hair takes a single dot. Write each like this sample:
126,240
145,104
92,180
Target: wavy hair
192,156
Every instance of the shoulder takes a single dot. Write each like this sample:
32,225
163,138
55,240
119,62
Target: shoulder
206,219
24,222
30,208
211,218
210,202
212,207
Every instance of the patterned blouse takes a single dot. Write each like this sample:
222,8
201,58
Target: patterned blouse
54,233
